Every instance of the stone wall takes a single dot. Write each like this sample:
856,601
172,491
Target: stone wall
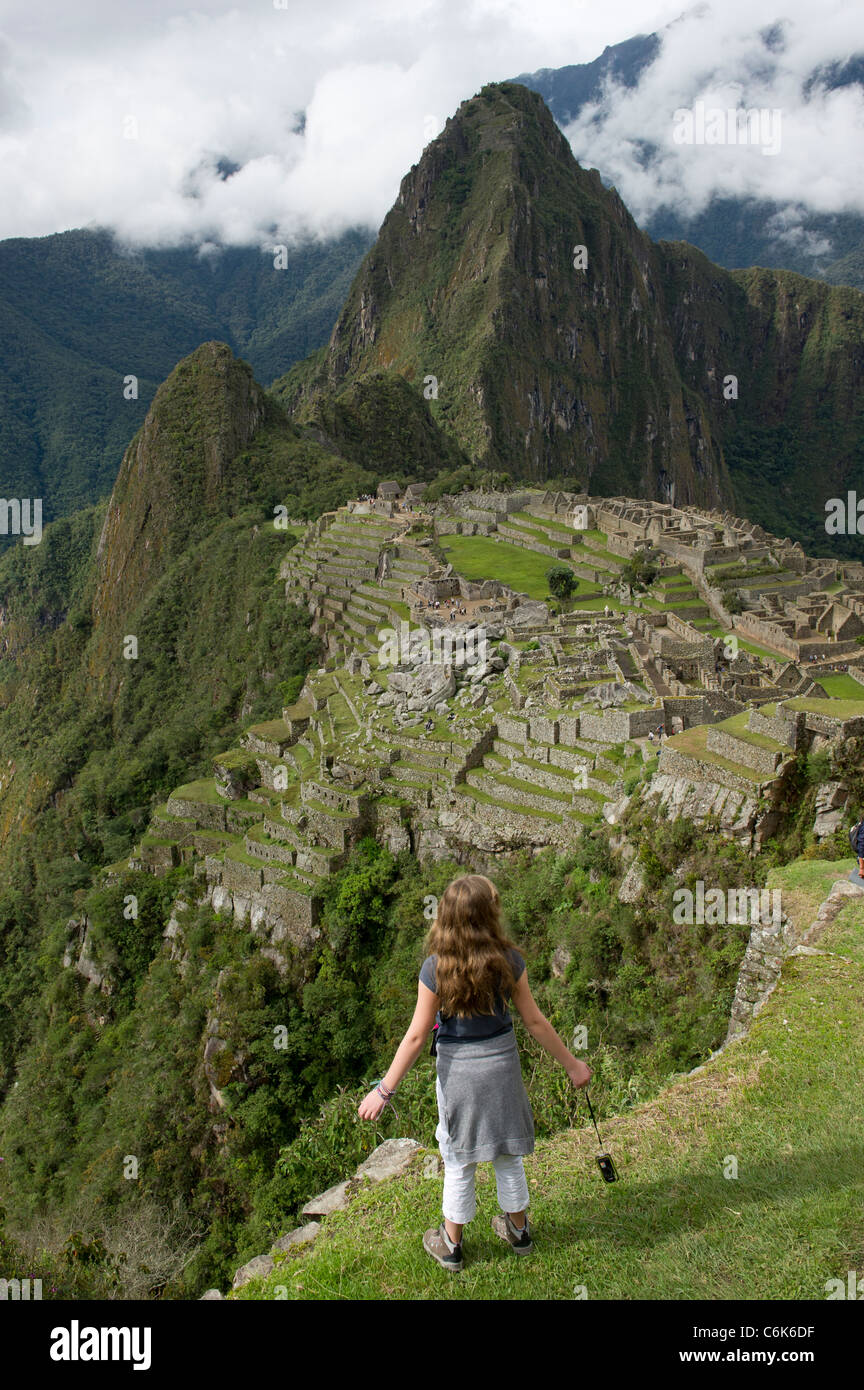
343,802
618,544
831,726
211,816
475,755
681,765
681,642
765,761
569,727
513,730
464,503
515,536
614,726
783,730
541,729
700,709
763,630
799,588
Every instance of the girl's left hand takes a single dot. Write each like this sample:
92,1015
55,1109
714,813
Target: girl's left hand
370,1108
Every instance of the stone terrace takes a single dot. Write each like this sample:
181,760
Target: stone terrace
522,739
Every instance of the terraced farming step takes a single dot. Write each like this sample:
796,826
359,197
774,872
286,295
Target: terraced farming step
518,792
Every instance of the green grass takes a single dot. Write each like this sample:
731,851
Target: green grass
301,710
736,724
475,794
692,742
532,529
480,557
785,1101
805,884
531,788
203,791
595,542
545,524
595,605
836,709
712,629
238,853
845,935
841,686
274,731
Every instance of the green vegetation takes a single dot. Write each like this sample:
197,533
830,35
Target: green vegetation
562,581
640,570
842,686
833,708
146,634
666,1231
344,1010
481,557
83,315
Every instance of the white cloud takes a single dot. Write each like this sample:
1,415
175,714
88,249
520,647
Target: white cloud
717,56
193,84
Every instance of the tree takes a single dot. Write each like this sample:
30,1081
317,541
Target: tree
562,581
732,602
640,571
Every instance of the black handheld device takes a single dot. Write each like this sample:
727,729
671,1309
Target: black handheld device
604,1159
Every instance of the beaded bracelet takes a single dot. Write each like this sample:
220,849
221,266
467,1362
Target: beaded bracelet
386,1097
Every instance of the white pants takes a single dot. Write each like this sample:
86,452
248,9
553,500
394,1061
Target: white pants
460,1203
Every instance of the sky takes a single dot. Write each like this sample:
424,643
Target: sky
117,114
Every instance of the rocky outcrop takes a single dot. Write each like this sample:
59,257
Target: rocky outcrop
632,884
769,946
421,689
79,954
619,360
831,801
692,794
389,1160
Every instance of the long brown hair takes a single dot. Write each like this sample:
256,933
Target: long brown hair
467,937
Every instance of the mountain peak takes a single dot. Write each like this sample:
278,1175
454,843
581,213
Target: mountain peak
476,294
174,475
550,338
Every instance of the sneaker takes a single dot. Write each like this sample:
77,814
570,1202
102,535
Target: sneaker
519,1239
437,1244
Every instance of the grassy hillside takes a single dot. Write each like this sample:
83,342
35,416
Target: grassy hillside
785,1102
80,313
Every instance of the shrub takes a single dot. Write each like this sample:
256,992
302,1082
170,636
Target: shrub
562,581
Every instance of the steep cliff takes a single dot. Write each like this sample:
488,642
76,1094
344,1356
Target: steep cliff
175,477
540,368
610,363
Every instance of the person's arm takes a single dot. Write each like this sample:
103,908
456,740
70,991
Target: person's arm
406,1054
540,1028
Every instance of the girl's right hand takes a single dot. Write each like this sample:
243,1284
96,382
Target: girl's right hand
372,1105
579,1073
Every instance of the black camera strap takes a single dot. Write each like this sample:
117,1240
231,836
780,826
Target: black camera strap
593,1121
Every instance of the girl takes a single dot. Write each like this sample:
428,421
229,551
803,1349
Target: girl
483,1110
